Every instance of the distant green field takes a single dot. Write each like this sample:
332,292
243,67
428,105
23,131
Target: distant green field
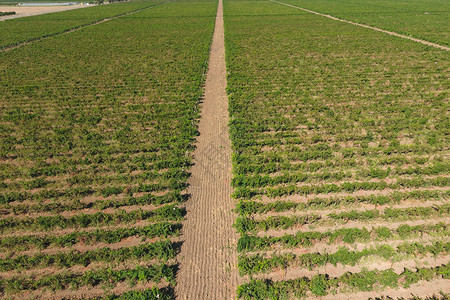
428,20
340,138
21,30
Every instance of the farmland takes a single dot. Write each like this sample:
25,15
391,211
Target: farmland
17,31
97,131
426,20
161,150
340,156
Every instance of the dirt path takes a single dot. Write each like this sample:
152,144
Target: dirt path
26,11
367,26
207,259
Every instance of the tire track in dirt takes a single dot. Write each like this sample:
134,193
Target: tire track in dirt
208,262
366,26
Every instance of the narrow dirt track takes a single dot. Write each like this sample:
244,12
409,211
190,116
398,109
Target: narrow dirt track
207,259
367,26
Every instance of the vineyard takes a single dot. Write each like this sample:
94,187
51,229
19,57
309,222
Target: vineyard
24,30
340,154
96,134
426,20
338,137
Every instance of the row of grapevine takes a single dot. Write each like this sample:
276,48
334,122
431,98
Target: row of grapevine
21,30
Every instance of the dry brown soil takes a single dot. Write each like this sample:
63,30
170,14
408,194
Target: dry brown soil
208,260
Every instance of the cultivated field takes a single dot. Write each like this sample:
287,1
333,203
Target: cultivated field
17,31
97,131
426,20
340,163
128,148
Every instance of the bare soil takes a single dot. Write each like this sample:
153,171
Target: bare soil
208,260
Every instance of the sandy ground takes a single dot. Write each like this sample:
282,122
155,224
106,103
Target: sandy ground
24,11
208,261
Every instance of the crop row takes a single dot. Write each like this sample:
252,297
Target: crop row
344,235
87,171
256,181
176,183
55,207
102,277
249,207
271,166
322,151
101,152
418,182
164,213
165,178
83,191
161,250
21,243
383,140
91,143
259,263
322,284
244,224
